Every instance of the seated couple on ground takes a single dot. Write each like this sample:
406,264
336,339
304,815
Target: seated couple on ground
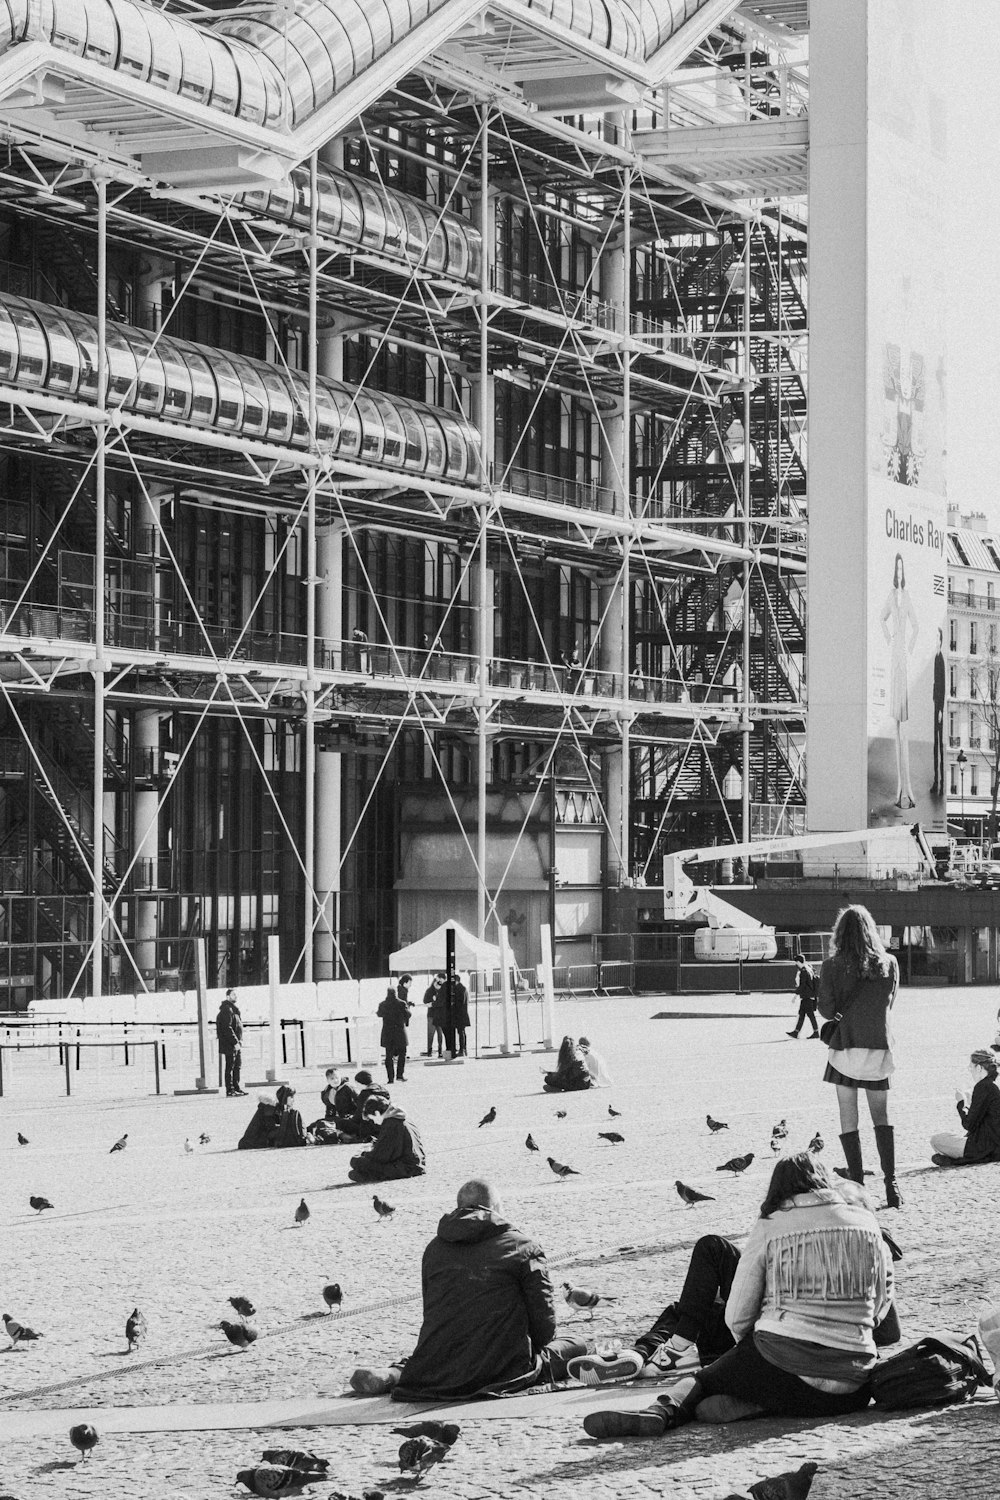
578,1066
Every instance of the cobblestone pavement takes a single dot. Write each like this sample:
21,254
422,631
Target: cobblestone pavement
177,1234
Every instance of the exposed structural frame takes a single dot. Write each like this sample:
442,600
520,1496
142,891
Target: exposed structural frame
348,459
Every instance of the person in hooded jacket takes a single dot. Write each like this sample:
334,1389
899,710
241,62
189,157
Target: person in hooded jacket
398,1150
229,1031
489,1320
354,1107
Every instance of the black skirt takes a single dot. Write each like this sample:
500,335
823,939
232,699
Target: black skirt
833,1075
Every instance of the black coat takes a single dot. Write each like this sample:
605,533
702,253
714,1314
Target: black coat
395,1015
982,1122
488,1311
229,1026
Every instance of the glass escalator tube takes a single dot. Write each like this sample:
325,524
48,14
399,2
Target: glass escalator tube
256,404
197,67
204,391
229,412
280,405
349,441
64,356
372,428
123,371
394,445
33,349
151,382
9,348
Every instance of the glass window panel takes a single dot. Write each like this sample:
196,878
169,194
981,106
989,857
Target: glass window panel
253,101
33,357
8,346
197,71
83,330
229,413
151,380
415,455
351,220
437,455
284,56
458,449
373,220
353,18
121,368
102,32
255,402
64,356
458,250
69,26
341,49
279,418
136,55
436,258
204,395
327,417
165,65
329,209
179,391
416,230
225,79
395,435
372,428
350,421
316,59
380,21
300,409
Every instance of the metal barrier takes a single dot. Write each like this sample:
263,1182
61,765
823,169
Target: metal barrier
616,975
66,1052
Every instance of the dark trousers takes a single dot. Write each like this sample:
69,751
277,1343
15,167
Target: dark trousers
395,1056
744,1372
448,1032
807,1012
234,1063
939,748
460,1037
700,1313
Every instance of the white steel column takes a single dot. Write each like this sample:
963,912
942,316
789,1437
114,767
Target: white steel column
747,450
625,810
146,838
484,603
99,665
312,681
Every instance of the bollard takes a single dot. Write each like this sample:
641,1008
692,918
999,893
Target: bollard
68,1089
156,1066
77,1055
302,1041
125,1034
284,1047
1,1072
347,1033
163,1049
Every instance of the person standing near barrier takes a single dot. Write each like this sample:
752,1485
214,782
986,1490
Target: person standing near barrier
229,1030
395,1014
460,1014
433,1001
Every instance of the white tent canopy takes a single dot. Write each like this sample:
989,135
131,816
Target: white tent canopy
427,954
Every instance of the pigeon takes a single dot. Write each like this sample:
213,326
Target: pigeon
779,1131
188,1148
119,1145
332,1295
243,1306
383,1209
135,1328
690,1195
615,1114
530,1142
18,1333
439,1432
816,1144
22,1140
736,1164
294,1458
39,1204
240,1334
560,1114
488,1117
579,1296
793,1484
302,1212
715,1125
776,1143
267,1479
561,1171
612,1136
421,1453
204,1139
84,1438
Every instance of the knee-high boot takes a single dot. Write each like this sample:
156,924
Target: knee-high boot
885,1140
855,1171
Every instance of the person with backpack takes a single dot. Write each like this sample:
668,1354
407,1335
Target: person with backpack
805,988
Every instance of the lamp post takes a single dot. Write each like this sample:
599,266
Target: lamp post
962,760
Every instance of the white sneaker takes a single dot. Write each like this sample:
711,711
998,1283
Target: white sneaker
605,1369
667,1362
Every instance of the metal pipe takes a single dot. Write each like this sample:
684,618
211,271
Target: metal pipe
747,308
483,614
311,682
98,666
626,466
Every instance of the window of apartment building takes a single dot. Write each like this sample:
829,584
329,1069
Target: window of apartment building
970,593
953,780
990,601
973,638
952,635
952,682
973,731
991,638
973,683
973,780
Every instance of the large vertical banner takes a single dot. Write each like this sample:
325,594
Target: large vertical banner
907,506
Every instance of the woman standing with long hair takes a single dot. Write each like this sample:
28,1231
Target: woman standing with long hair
858,984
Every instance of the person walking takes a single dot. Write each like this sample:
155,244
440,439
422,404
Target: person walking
229,1031
805,988
857,986
395,1014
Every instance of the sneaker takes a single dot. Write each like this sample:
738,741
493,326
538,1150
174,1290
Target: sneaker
605,1369
792,1033
239,1094
372,1382
815,1037
615,1424
666,1362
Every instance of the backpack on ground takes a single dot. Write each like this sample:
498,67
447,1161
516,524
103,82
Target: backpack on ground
939,1370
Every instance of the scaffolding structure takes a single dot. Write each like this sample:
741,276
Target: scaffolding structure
402,455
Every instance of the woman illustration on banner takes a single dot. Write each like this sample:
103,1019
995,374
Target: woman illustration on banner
899,626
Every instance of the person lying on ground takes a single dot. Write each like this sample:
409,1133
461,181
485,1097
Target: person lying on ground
814,1278
398,1150
979,1139
571,1071
489,1324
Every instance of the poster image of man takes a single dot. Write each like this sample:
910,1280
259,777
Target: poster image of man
937,789
900,628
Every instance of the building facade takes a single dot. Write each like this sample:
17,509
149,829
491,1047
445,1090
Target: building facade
973,709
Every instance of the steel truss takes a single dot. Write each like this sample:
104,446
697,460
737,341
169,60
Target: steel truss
627,361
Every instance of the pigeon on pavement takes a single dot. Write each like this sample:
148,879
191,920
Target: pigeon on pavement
294,1458
18,1333
816,1144
776,1143
793,1484
243,1306
302,1212
332,1295
715,1125
489,1116
615,1114
690,1195
779,1131
22,1140
562,1172
135,1328
736,1164
612,1136
530,1142
84,1438
421,1453
439,1432
560,1114
240,1334
120,1144
204,1139
268,1479
39,1204
188,1148
580,1296
383,1209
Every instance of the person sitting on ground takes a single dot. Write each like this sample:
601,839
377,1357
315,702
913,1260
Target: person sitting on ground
260,1132
353,1115
814,1278
288,1127
600,1078
692,1332
489,1324
571,1071
979,1139
398,1150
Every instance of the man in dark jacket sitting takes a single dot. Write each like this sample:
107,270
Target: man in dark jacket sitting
398,1150
489,1321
